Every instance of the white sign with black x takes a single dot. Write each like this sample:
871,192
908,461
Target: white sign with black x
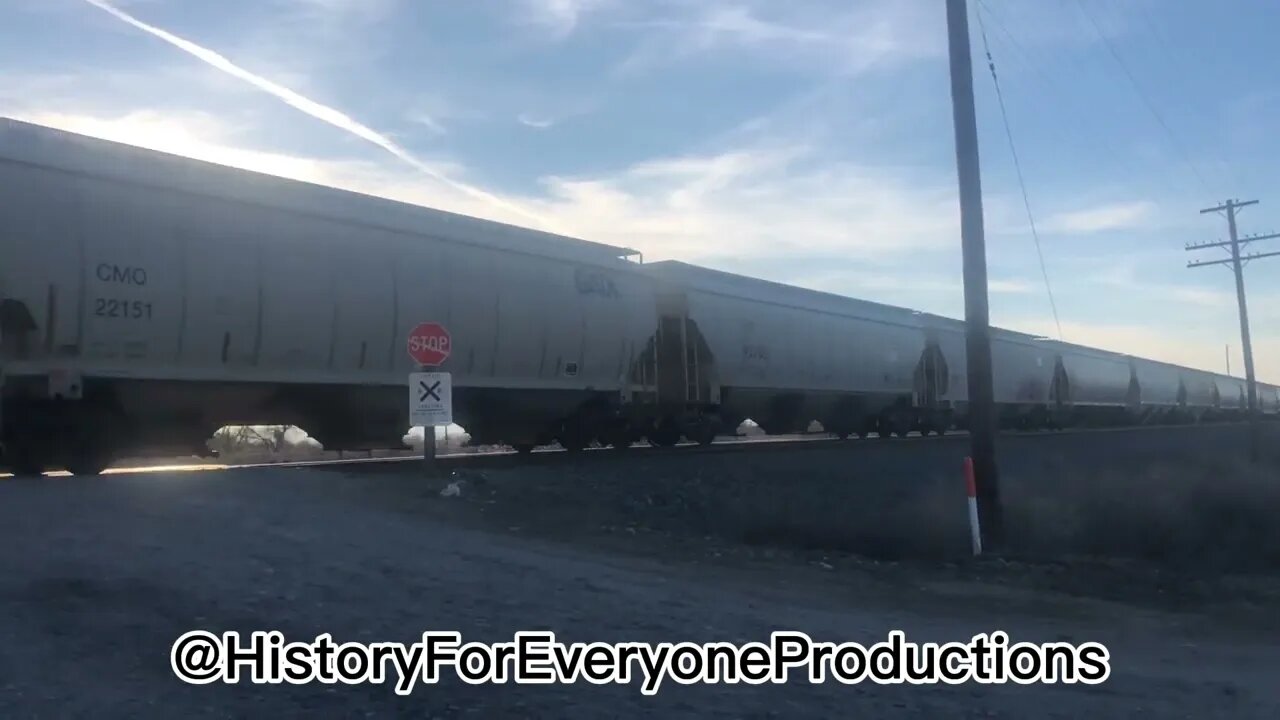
430,399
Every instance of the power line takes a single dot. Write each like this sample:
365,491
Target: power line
1185,52
1137,87
1056,88
1026,202
1165,44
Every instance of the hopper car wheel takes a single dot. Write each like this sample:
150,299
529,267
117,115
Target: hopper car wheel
26,457
664,436
705,432
883,428
894,424
89,443
24,465
619,439
617,436
574,436
88,465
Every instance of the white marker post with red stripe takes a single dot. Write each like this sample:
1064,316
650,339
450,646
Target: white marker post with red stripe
971,489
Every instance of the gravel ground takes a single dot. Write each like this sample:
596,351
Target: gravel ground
101,575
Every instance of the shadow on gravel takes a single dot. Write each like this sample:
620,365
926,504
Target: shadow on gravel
1153,500
1216,515
1212,514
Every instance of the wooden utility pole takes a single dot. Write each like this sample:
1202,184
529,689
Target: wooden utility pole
981,415
1246,343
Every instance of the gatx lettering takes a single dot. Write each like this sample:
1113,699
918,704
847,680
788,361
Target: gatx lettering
590,282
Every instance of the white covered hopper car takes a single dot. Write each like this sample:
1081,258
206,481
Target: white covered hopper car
732,347
785,357
147,300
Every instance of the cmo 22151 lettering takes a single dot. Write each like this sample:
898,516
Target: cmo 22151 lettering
125,309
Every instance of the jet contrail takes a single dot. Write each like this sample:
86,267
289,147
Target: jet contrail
314,109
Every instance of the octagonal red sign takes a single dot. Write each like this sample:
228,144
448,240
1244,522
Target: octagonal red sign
429,344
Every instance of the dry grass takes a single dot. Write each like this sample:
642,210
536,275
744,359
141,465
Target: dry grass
1203,515
1210,514
1214,515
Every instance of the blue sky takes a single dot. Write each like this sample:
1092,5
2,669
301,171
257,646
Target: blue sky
807,142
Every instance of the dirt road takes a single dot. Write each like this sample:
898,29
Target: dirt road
100,576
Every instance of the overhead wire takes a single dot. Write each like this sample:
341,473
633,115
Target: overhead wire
1167,45
1017,165
1137,87
1027,58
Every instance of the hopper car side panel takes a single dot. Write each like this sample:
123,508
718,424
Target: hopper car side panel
181,313
1232,392
1097,379
785,366
1269,399
1202,391
949,337
1022,370
296,295
1161,384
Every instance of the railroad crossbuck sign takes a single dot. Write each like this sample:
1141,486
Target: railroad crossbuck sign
430,399
429,344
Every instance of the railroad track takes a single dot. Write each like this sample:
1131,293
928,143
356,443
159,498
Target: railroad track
814,441
550,455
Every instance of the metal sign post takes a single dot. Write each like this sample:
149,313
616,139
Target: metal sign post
430,404
428,445
430,393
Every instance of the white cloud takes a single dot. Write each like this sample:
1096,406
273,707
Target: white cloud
561,17
346,8
538,123
1121,275
847,39
1204,297
315,109
756,202
428,122
1113,216
329,20
439,112
904,287
1011,287
743,25
1202,350
201,136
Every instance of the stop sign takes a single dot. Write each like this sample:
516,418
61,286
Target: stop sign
429,344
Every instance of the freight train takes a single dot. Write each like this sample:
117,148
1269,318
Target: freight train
147,300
